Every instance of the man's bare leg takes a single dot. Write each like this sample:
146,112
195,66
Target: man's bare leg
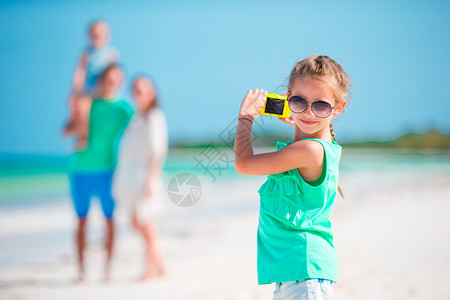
110,235
81,245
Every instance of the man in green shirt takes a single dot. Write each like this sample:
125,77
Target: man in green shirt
92,167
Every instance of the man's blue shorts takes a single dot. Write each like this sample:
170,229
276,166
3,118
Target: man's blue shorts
85,185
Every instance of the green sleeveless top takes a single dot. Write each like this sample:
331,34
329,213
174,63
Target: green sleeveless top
295,239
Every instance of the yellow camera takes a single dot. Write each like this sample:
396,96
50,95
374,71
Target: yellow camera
276,105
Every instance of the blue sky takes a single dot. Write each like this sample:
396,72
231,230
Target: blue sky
205,55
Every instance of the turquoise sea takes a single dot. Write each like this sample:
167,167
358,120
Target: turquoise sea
35,180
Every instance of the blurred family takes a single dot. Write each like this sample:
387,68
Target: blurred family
119,153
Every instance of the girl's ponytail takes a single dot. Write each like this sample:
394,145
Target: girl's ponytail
332,132
334,138
341,191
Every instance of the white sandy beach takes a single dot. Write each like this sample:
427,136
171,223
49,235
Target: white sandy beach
391,235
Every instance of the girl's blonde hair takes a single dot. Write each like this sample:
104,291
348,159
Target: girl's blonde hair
328,71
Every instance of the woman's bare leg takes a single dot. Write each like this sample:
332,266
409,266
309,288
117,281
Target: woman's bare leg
153,258
154,264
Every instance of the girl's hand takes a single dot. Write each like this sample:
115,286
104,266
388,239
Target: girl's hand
289,120
252,103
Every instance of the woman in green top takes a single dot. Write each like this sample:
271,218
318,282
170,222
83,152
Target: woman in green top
295,239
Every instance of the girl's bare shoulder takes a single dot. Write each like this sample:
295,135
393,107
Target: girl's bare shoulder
311,151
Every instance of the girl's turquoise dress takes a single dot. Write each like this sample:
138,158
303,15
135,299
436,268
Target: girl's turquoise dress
295,239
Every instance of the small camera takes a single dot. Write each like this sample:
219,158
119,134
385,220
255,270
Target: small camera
276,105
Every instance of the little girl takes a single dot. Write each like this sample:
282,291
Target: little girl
94,59
295,239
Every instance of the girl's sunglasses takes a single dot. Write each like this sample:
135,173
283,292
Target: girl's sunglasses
320,109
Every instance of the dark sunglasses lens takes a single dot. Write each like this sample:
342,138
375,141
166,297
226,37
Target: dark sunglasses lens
321,109
297,104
